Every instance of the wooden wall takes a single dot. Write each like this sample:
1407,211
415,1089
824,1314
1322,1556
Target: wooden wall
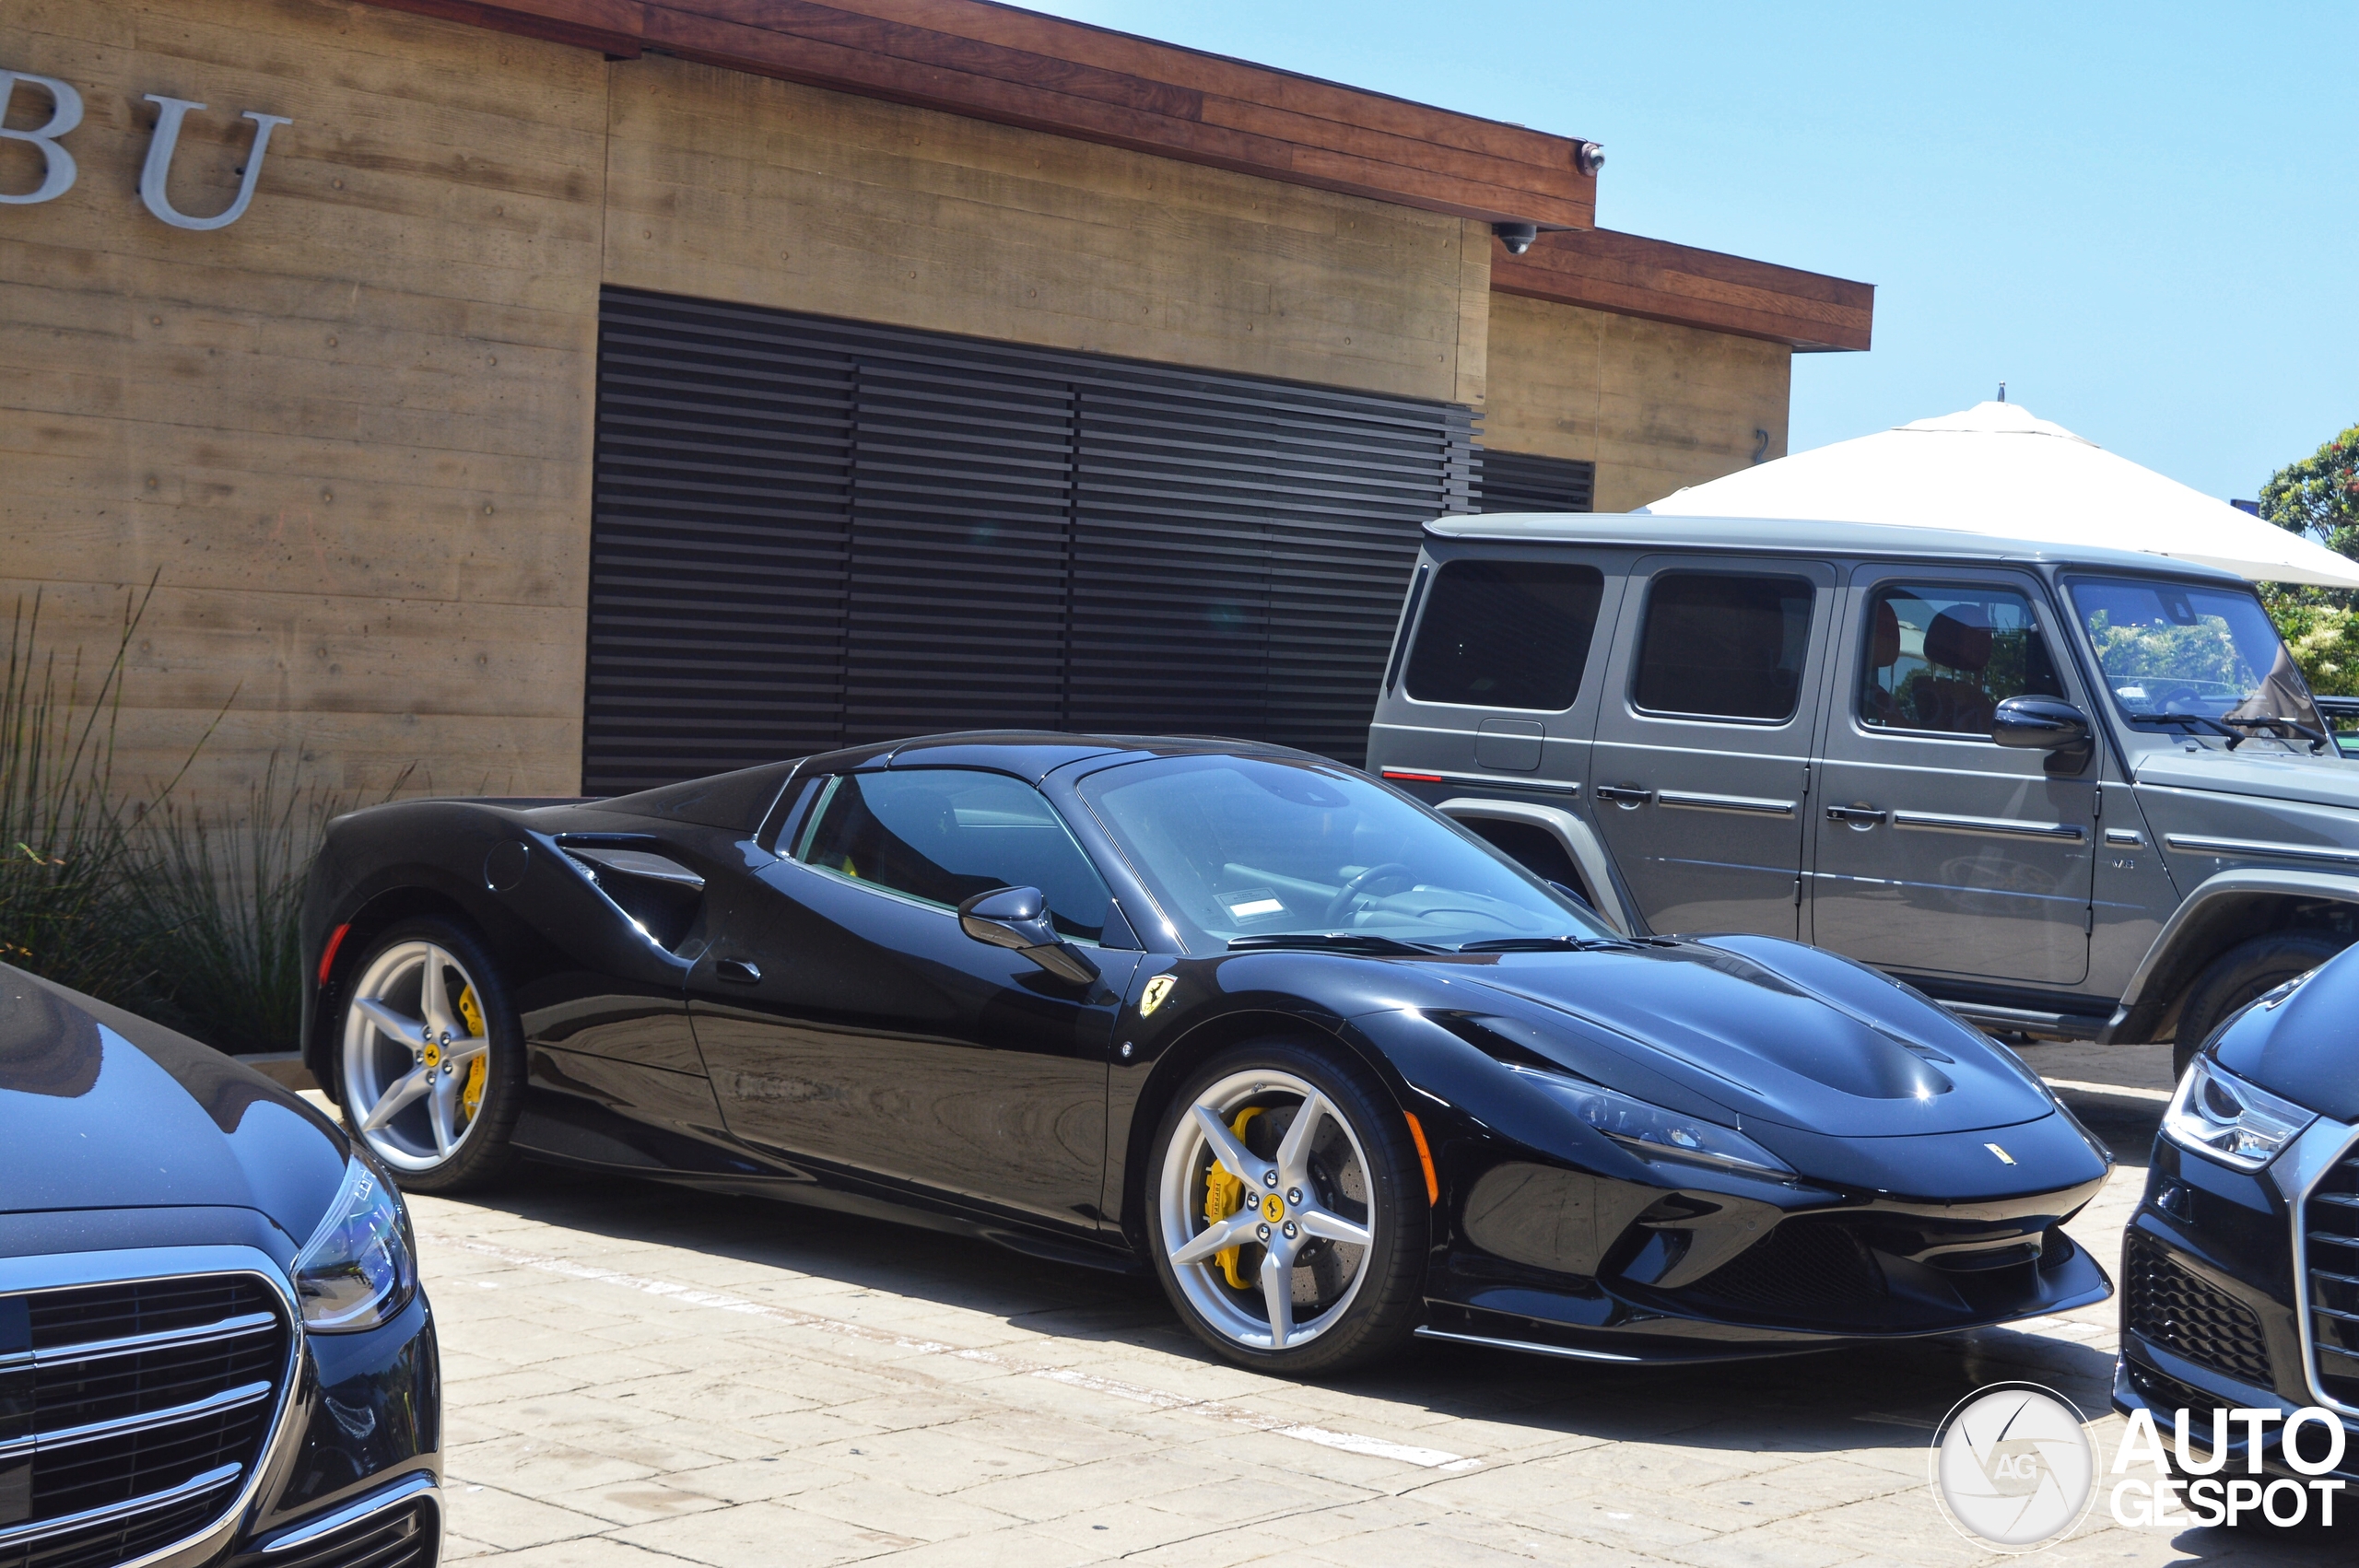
349,437
744,188
1655,407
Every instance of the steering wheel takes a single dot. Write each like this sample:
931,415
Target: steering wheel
1341,903
2182,693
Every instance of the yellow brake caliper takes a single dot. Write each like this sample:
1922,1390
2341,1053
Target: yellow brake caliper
1223,1194
471,1013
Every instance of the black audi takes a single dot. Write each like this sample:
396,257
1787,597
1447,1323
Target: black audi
1334,1069
2242,1262
213,1345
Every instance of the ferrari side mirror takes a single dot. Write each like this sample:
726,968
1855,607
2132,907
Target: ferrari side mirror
1017,917
2048,724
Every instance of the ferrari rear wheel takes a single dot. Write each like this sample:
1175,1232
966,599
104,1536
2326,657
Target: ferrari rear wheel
1287,1212
430,1066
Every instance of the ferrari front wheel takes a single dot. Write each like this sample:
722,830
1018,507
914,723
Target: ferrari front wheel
1287,1211
431,1062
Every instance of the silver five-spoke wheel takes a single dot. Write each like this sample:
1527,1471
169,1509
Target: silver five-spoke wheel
1267,1210
415,1055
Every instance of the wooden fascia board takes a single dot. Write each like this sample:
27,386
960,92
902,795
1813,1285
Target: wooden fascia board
1044,74
1631,275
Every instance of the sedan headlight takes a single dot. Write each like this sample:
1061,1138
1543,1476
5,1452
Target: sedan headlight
1654,1133
357,1269
2218,1114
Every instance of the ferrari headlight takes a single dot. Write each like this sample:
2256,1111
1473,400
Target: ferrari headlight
357,1269
2218,1114
1654,1133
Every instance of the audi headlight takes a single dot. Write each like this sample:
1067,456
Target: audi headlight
1653,1133
2218,1114
357,1269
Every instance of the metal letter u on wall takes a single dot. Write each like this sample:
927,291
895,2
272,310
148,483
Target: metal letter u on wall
57,164
158,167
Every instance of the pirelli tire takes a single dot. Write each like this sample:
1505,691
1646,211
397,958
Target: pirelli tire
1289,1247
430,1056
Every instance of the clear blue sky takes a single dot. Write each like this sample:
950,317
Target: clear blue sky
2143,219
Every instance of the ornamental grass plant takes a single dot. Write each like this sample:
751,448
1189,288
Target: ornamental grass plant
65,883
183,910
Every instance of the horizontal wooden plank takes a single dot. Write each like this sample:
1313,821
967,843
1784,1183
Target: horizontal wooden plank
1045,74
1635,277
738,187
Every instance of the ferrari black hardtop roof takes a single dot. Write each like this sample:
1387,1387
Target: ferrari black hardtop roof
744,797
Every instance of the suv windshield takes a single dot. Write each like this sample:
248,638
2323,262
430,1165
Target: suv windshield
1251,850
2194,658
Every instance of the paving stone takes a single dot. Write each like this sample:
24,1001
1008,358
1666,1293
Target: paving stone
830,1390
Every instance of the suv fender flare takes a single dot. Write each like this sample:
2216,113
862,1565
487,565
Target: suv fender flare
1579,842
2205,923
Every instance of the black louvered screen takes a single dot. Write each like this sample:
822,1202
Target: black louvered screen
1519,482
809,533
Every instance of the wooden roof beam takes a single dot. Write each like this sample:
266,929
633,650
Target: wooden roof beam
991,62
1634,276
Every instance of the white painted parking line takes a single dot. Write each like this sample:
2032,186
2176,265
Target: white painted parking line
1349,1442
2120,1091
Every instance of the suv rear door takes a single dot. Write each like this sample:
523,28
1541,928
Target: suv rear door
1701,763
1936,849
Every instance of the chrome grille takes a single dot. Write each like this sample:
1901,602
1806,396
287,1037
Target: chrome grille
2330,1247
404,1539
132,1414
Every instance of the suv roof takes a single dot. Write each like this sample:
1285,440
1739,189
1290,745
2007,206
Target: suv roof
1781,536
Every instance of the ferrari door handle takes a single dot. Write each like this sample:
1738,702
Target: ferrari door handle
738,972
1857,816
1624,796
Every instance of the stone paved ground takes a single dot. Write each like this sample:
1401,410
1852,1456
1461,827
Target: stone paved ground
637,1373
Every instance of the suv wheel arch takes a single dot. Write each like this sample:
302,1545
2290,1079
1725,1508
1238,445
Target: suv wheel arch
1596,881
2225,912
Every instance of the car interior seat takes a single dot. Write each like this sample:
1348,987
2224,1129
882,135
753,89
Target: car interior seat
1958,699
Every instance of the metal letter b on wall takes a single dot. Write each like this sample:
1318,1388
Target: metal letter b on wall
57,164
158,167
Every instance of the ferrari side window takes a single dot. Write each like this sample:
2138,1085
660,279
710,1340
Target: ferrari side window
944,834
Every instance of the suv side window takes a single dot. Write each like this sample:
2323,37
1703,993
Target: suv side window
944,834
1721,646
1506,634
1941,657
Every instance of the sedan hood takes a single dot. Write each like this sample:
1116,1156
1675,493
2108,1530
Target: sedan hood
1781,1033
2299,1044
2273,775
101,1109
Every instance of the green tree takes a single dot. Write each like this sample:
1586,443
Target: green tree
2319,494
2320,631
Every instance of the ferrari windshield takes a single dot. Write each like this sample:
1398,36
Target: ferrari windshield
2193,658
1246,850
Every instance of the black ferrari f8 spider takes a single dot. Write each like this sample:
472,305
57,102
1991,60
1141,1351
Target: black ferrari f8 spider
1332,1067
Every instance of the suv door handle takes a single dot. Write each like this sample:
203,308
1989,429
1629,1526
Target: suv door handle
1624,796
737,972
1857,816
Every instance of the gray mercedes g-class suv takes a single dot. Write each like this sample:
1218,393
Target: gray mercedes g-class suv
2073,795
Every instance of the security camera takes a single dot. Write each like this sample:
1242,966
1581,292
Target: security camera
1588,158
1516,237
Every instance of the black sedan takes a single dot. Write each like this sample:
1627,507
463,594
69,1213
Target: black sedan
1333,1068
2241,1288
213,1345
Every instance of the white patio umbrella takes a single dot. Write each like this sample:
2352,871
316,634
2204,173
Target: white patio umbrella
1995,469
